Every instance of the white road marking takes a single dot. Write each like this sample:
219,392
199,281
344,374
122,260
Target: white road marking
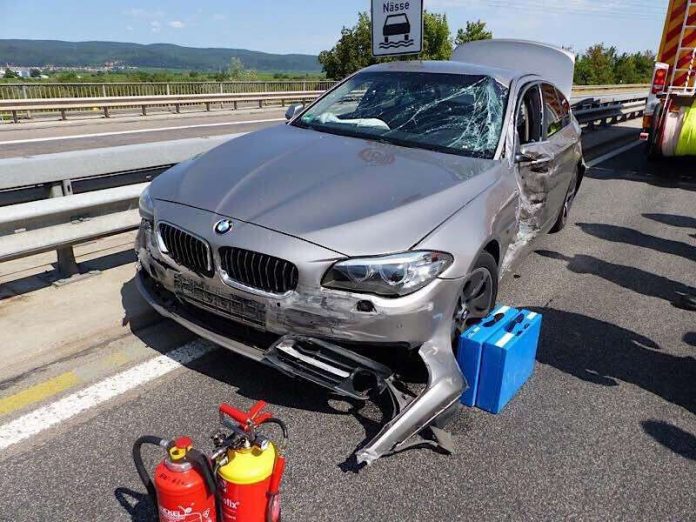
613,153
139,131
44,417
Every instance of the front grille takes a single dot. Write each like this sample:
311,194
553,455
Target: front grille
257,270
186,250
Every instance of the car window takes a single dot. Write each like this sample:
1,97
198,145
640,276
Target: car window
529,116
453,113
556,113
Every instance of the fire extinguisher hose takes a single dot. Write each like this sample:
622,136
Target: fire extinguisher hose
199,460
140,466
278,468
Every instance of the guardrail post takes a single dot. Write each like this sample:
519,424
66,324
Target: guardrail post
177,108
67,265
15,116
144,110
25,96
106,111
63,115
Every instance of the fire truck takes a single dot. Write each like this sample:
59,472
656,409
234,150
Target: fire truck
669,123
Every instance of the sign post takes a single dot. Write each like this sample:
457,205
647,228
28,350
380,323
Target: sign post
397,27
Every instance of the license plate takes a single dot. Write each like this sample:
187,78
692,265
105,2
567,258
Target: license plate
231,305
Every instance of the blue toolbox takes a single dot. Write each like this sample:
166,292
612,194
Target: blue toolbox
497,357
471,346
507,361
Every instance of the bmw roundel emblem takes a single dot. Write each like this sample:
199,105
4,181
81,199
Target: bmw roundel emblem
223,226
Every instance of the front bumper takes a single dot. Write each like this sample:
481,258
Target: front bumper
420,320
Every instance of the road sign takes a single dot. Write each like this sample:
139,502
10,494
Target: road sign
397,27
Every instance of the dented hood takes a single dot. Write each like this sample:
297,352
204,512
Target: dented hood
353,196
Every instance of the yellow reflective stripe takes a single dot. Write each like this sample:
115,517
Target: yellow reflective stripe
38,392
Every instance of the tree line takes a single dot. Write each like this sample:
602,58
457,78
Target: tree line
596,66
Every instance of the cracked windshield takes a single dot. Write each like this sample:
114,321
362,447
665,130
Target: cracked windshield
454,113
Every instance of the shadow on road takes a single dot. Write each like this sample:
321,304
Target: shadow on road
673,220
629,277
137,505
602,353
676,439
35,282
690,338
629,236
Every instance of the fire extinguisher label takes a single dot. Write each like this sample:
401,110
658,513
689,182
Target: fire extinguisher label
184,514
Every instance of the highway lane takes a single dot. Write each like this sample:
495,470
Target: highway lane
28,139
606,429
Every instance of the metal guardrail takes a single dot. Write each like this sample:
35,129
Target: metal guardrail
105,103
68,218
591,112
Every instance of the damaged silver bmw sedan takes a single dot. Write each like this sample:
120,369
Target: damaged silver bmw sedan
380,216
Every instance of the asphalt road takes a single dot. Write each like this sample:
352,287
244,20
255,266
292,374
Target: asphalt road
605,430
32,138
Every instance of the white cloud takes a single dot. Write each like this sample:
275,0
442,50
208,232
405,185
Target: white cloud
219,17
144,14
129,28
155,26
176,24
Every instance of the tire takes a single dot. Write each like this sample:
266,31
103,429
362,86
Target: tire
472,306
653,151
562,219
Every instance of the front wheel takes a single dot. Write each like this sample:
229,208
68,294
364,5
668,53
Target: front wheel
478,296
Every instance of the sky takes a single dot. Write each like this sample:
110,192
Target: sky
309,26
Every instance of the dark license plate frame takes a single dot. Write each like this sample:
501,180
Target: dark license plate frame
230,305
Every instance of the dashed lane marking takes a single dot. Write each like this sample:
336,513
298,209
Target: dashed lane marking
42,418
139,131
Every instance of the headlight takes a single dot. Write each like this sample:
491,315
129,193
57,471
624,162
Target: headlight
390,276
146,205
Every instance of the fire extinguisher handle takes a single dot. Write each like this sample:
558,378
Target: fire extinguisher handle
240,416
254,416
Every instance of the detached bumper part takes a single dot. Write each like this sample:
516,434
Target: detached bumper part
352,375
443,391
328,365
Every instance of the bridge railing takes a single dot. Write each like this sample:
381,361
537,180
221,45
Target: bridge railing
40,89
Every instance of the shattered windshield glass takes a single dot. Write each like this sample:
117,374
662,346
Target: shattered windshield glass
454,113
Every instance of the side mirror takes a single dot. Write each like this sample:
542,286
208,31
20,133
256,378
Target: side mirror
293,110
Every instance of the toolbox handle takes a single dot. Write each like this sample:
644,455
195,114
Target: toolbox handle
496,318
515,326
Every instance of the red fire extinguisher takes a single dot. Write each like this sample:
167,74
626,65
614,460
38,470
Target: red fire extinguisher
184,483
249,467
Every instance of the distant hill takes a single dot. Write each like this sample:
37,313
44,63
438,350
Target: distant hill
166,56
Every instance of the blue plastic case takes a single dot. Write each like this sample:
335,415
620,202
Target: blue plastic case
507,360
471,346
